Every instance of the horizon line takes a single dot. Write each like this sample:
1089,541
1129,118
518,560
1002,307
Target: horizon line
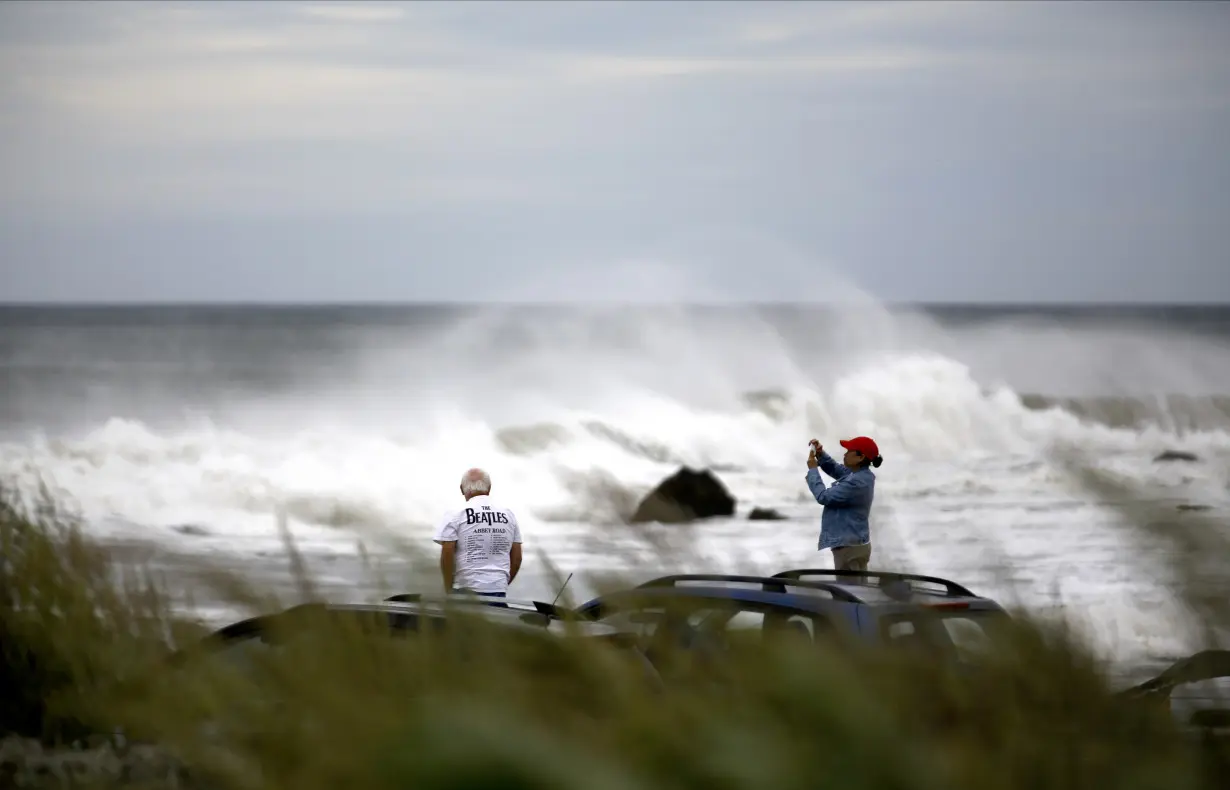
384,303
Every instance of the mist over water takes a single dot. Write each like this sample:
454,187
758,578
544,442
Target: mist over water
191,426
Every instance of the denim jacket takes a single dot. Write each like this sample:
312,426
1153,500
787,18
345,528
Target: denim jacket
847,503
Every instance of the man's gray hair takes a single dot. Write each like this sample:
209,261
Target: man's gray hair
475,482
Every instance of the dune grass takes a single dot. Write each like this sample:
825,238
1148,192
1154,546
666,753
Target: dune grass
341,705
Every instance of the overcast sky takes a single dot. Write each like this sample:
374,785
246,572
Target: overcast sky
288,151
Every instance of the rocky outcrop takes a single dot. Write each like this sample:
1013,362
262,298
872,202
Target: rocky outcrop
1177,455
687,495
765,514
27,763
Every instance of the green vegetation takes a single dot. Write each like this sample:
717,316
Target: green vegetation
84,641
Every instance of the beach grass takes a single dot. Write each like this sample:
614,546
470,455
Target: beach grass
341,705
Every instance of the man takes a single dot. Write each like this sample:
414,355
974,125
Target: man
845,526
480,544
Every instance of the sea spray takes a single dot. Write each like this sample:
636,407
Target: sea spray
358,425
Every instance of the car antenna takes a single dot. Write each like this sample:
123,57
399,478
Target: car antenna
561,589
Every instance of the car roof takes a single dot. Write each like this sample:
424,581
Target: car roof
813,588
518,604
520,614
891,584
529,615
807,600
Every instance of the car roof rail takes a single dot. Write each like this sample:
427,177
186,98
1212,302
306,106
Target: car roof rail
767,583
543,608
952,587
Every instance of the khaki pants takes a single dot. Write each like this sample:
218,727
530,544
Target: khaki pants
852,558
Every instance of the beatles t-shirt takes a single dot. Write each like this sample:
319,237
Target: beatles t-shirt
484,534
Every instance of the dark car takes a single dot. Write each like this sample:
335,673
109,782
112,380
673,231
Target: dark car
406,614
708,611
1194,690
403,616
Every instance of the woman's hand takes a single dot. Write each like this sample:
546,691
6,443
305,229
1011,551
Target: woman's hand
812,463
815,446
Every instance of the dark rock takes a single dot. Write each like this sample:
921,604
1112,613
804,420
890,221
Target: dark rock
685,496
191,529
1177,455
1193,508
765,514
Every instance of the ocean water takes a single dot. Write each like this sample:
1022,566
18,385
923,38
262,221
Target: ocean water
188,428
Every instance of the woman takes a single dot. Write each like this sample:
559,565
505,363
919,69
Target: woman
844,526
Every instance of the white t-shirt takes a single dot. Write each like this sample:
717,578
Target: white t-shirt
484,534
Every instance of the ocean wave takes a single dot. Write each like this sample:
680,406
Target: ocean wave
1175,413
970,468
943,434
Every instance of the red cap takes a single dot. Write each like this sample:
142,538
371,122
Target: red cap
863,445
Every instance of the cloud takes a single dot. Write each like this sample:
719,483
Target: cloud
805,22
211,61
437,82
355,12
634,68
279,99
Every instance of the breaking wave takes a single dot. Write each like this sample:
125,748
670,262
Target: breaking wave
587,465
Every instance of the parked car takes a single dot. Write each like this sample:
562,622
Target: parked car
405,614
401,616
1194,690
706,611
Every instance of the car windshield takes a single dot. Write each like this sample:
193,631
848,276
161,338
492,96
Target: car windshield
965,634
